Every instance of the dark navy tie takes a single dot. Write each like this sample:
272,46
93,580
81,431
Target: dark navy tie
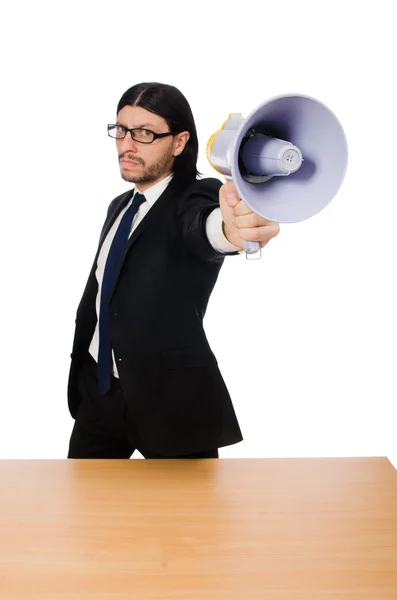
109,278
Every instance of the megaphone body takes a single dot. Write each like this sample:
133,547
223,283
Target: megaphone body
287,159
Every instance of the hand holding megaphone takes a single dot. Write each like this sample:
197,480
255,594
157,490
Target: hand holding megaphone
240,223
287,159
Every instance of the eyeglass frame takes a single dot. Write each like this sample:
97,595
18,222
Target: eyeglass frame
155,135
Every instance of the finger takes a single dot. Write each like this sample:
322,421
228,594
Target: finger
241,209
260,234
250,220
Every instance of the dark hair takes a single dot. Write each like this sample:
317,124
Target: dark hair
170,104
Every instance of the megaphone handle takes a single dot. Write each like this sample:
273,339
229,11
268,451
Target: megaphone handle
252,248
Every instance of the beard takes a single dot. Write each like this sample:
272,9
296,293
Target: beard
152,173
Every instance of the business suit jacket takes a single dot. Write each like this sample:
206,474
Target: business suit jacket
176,395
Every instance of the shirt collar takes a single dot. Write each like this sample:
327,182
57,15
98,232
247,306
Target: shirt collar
154,192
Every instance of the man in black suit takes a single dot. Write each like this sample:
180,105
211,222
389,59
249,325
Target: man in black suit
143,375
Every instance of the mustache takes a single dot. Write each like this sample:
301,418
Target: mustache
134,158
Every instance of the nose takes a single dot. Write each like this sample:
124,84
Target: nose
128,144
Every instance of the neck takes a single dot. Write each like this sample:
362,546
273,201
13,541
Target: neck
145,185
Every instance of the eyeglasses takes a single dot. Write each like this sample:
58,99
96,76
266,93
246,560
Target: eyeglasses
143,136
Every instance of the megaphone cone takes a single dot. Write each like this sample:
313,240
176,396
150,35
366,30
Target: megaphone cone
287,159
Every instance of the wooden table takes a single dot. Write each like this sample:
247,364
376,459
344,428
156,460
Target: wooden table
279,529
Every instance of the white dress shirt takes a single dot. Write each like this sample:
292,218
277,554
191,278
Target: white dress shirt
152,194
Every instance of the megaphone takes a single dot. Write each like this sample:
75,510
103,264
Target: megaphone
287,159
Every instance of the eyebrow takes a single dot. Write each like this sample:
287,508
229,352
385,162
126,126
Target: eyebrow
138,126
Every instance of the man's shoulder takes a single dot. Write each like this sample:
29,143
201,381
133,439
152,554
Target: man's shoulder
207,187
205,184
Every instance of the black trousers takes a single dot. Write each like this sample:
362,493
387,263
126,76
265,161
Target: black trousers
102,428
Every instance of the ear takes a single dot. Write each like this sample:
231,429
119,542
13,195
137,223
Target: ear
180,142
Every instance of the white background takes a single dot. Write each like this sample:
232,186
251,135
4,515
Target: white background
305,337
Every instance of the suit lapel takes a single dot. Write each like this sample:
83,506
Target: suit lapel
113,216
155,213
158,207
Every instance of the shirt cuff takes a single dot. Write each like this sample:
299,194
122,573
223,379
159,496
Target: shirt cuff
216,236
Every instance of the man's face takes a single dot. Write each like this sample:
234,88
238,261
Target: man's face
146,164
